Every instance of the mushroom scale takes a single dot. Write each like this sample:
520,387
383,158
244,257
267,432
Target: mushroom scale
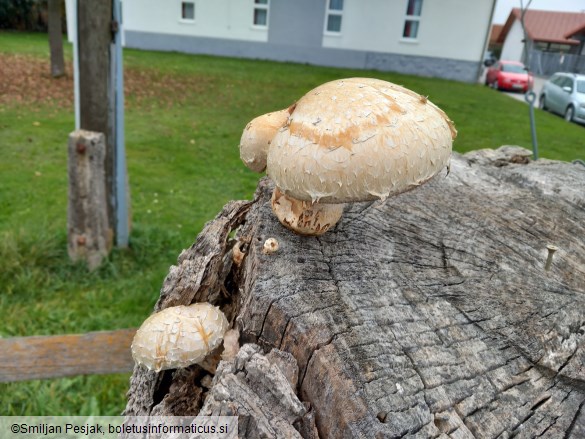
359,139
179,336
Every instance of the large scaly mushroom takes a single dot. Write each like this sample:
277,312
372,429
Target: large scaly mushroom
350,140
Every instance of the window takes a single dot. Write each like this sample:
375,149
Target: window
411,23
567,84
333,16
513,68
261,13
188,11
556,79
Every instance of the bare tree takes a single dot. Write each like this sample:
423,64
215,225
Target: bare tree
56,39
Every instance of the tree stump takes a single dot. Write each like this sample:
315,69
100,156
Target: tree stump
428,315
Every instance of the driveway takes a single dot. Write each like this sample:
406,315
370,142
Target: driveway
538,83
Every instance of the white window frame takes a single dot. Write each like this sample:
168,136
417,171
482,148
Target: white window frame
260,6
329,12
187,20
414,18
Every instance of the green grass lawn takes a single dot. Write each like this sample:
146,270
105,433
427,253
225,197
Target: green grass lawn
184,118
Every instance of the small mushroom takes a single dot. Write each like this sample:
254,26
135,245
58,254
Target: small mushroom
179,336
351,140
270,246
257,136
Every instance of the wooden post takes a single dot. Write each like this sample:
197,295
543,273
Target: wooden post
89,236
56,39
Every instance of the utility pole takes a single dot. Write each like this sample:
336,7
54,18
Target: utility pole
527,44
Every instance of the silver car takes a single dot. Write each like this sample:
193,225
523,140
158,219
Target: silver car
564,94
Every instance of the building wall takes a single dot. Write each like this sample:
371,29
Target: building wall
226,19
290,23
459,70
450,43
513,45
454,29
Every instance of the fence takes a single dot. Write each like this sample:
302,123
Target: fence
547,63
38,357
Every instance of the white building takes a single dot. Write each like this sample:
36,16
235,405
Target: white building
441,38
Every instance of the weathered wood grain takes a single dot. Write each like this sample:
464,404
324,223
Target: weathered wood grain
89,233
200,275
254,387
431,314
54,356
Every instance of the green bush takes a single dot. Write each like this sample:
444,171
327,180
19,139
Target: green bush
21,15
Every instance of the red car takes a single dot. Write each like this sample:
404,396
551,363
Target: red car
509,75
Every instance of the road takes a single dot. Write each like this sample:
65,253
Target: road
538,83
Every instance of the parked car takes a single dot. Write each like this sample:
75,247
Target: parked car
564,94
489,58
509,75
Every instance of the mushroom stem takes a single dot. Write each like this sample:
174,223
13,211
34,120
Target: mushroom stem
551,251
304,217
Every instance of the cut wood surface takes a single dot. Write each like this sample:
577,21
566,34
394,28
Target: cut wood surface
427,315
53,356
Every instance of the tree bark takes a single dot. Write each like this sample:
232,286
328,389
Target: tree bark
96,109
428,315
56,38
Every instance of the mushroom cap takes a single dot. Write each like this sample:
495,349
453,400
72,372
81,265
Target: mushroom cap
359,139
179,336
257,136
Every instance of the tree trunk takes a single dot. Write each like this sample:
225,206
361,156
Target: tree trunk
429,314
56,38
96,109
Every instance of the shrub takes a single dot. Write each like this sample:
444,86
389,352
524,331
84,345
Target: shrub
23,15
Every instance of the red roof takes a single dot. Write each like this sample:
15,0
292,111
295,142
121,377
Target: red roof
495,33
578,30
546,26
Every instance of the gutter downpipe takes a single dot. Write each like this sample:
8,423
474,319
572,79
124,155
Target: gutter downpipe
486,42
